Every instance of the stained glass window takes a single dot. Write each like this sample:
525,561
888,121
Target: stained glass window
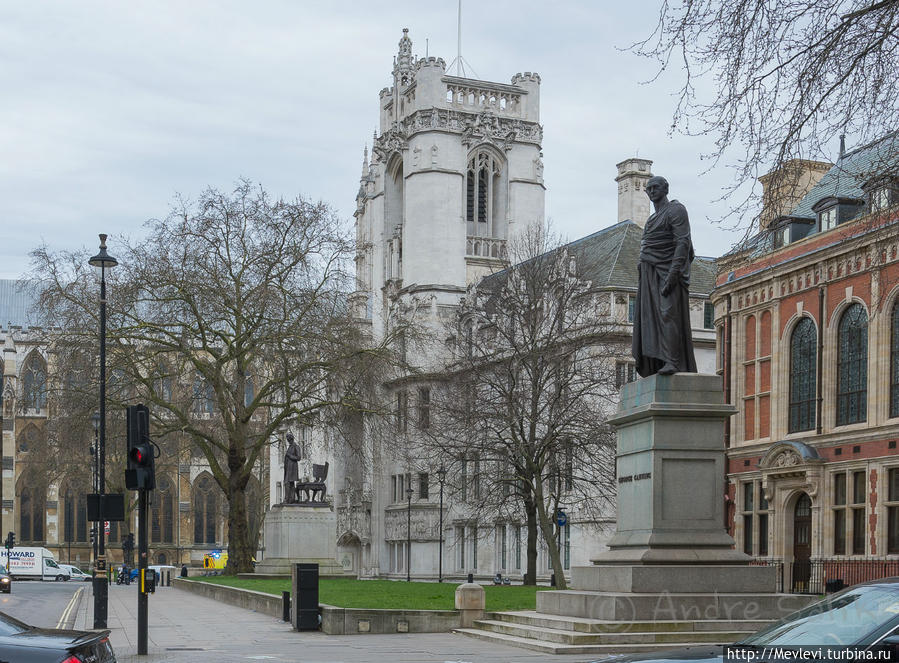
803,376
852,364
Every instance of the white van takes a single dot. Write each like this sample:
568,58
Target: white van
75,573
34,563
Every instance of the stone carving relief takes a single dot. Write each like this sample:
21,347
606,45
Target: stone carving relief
786,459
388,143
416,156
474,127
538,167
434,151
424,525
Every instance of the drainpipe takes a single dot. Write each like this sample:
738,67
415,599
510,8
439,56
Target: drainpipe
820,361
727,398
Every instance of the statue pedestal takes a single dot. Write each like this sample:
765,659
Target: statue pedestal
671,547
300,533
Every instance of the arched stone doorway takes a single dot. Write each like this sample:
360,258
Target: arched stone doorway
802,543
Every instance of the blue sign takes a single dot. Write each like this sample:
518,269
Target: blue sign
561,518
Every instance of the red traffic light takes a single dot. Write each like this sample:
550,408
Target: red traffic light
141,455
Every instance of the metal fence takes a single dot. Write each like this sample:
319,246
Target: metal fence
823,575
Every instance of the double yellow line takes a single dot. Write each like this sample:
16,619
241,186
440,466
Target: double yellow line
67,620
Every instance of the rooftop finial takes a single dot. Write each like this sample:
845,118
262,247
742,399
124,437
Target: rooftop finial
842,144
403,63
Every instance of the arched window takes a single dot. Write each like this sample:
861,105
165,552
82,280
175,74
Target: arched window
204,396
32,507
894,361
34,383
75,516
484,197
803,376
205,498
162,384
162,513
852,366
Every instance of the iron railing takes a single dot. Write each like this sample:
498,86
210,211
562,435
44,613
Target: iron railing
823,575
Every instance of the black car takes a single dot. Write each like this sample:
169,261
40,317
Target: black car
22,643
861,617
5,583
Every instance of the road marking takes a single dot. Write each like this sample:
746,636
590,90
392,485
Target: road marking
67,613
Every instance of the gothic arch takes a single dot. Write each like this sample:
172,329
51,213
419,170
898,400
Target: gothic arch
30,438
72,512
486,193
162,511
34,382
31,505
207,508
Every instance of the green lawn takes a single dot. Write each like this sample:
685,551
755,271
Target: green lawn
390,594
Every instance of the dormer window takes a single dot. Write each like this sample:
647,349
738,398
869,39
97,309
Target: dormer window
833,210
827,219
881,193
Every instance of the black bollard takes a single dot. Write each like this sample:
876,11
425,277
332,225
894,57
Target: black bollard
285,606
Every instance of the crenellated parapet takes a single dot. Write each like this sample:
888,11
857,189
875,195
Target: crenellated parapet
431,61
526,77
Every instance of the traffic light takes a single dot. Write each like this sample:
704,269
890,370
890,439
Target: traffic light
128,543
93,534
10,540
141,471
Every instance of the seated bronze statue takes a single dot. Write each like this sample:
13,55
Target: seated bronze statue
314,491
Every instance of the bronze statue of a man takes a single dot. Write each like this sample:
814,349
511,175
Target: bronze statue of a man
291,469
663,341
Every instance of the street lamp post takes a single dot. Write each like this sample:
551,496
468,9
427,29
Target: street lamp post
102,261
441,478
95,452
409,492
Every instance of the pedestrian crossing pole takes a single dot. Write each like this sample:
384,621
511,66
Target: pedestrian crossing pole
142,603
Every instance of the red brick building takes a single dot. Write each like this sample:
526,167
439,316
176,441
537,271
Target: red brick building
807,318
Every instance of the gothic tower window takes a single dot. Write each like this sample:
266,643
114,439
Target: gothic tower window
162,513
803,374
34,381
205,500
485,195
75,516
852,366
32,508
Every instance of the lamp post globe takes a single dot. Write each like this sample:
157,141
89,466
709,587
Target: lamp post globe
102,261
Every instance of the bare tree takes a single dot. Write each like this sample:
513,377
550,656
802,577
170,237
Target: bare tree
520,410
781,79
230,320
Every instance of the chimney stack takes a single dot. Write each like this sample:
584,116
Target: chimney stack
633,203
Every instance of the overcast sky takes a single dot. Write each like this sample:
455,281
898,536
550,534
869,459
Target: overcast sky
111,108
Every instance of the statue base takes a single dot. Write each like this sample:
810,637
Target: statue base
300,533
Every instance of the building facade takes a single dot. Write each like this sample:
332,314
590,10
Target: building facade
454,175
807,318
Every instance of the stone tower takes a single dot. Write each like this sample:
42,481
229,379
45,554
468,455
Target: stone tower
455,171
633,203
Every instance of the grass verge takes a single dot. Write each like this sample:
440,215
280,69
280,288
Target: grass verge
391,594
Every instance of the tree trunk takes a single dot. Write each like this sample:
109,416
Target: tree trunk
240,552
530,510
552,535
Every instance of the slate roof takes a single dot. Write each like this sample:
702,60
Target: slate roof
845,178
17,300
608,258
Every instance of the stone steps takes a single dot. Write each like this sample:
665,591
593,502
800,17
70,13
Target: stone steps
557,648
583,625
576,635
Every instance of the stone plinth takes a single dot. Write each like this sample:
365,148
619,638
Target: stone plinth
671,557
300,533
671,468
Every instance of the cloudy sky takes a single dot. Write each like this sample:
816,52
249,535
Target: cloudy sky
111,108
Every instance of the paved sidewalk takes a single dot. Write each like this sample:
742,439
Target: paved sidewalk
186,628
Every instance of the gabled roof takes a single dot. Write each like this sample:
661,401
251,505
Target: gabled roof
846,176
608,259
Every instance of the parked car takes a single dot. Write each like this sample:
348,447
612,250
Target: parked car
75,573
861,616
5,583
22,643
